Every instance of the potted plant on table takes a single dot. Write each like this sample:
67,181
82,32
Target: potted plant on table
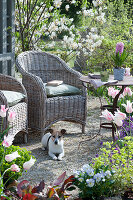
119,58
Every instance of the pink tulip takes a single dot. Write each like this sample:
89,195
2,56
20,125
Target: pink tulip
3,111
11,116
15,168
12,156
128,107
27,165
127,73
128,91
107,115
117,120
7,141
119,47
114,93
120,115
110,90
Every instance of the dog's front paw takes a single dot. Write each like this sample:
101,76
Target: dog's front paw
59,158
54,158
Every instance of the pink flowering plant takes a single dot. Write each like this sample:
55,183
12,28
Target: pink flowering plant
120,55
9,154
118,118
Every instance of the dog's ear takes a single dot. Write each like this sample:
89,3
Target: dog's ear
63,131
50,130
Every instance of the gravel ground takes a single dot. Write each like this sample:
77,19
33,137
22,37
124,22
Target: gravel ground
78,148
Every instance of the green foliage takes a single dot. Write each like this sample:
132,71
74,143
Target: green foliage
119,59
119,157
117,28
25,156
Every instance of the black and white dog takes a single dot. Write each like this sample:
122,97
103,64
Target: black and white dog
54,142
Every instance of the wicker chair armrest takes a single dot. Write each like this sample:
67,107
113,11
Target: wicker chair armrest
35,83
12,84
3,100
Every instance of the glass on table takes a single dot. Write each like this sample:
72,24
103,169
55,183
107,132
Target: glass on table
104,76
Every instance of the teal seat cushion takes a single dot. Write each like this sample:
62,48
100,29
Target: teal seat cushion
13,97
61,90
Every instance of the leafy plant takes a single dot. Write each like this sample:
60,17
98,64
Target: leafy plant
25,156
56,190
94,182
119,158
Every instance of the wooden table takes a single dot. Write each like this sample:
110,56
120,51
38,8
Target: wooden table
128,81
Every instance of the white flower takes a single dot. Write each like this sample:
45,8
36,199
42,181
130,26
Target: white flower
94,29
90,172
67,7
57,3
12,156
76,173
73,1
27,165
85,168
90,182
80,179
95,4
53,34
108,174
51,8
98,177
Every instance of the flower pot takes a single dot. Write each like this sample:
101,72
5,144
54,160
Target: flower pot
119,73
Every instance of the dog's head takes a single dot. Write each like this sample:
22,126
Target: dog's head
56,136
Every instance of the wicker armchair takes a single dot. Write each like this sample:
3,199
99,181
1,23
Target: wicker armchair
40,67
20,123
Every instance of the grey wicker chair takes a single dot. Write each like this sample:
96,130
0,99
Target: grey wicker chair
20,123
40,67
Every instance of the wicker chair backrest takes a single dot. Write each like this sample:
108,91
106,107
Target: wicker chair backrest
46,66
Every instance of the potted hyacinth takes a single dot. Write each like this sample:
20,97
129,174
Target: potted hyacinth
119,58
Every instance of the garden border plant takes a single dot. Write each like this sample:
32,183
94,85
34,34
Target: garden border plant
10,155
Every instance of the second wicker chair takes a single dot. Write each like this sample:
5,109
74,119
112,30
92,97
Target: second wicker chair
38,68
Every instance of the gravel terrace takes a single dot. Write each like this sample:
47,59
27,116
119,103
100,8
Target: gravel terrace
78,150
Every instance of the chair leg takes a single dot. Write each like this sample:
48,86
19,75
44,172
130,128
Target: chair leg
25,137
83,128
42,133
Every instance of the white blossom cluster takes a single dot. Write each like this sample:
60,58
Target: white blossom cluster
88,174
57,3
97,3
72,42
